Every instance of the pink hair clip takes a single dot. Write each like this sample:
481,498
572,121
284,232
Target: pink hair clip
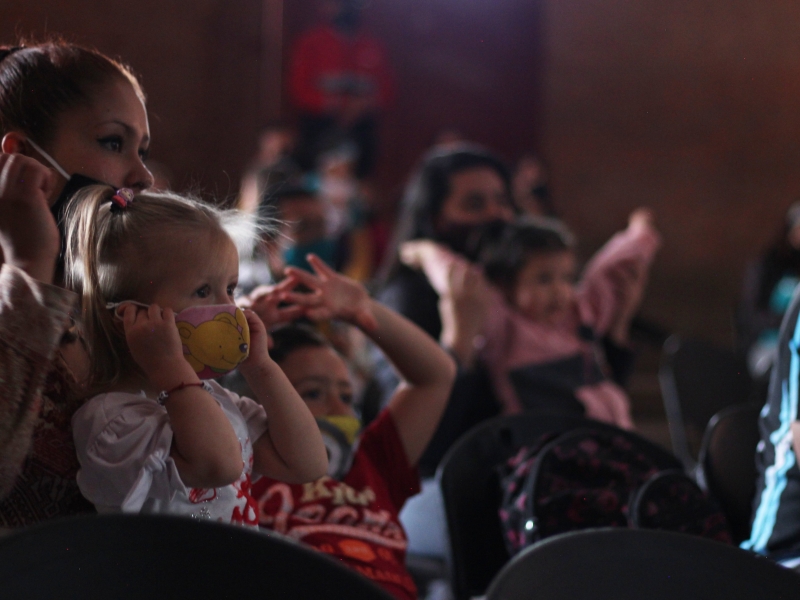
123,198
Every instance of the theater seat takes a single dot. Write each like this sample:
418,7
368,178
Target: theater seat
138,556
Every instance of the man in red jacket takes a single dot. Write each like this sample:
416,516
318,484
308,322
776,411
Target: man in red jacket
340,80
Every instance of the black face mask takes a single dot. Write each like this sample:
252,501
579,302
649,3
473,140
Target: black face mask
471,240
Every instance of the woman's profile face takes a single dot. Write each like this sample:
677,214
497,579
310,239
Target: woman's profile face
477,195
106,140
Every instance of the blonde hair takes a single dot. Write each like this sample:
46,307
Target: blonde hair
115,254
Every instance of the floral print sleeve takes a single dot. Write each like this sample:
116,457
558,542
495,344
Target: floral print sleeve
33,318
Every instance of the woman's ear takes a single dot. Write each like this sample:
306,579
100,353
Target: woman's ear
13,143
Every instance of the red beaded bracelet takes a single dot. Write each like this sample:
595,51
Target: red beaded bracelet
162,397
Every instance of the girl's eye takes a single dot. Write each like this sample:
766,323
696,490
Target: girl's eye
144,153
112,142
231,290
346,398
203,292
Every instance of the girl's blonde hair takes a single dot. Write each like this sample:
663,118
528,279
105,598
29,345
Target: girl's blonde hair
115,254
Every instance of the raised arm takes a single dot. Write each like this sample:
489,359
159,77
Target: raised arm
427,370
464,295
291,449
613,282
33,313
204,445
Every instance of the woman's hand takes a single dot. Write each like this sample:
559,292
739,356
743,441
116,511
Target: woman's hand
156,346
333,296
463,309
29,236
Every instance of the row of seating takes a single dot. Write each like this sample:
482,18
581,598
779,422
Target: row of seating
702,386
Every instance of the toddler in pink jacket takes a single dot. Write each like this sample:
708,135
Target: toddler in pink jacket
541,332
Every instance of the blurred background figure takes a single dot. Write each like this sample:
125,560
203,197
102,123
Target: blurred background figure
769,283
271,164
340,81
530,186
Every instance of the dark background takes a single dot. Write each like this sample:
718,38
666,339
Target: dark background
688,107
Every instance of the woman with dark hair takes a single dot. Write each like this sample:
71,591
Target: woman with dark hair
456,196
83,115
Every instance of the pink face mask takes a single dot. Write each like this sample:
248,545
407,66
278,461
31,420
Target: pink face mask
216,339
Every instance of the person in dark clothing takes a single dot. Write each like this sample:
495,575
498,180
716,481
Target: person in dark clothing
767,288
457,195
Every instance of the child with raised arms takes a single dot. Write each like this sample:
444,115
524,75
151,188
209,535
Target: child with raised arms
352,513
541,332
156,273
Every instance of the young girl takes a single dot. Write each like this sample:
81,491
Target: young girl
540,336
352,513
156,273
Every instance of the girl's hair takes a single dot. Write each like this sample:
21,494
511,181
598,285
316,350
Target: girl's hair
428,188
115,254
290,338
527,237
39,83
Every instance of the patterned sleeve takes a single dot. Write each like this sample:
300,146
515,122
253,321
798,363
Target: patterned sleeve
599,294
33,317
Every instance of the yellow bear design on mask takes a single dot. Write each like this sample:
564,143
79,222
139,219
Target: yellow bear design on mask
217,346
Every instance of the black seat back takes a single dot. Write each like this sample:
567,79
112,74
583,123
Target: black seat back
137,556
633,564
697,381
727,459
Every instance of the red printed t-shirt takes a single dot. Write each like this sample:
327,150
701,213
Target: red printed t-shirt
354,520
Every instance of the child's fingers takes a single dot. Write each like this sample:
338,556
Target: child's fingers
168,315
129,312
289,283
318,314
366,321
322,269
253,320
303,299
304,277
154,312
289,313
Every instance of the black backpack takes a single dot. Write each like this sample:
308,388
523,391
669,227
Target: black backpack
588,478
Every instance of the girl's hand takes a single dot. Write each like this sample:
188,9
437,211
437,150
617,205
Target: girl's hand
29,236
265,302
156,346
259,343
463,310
333,296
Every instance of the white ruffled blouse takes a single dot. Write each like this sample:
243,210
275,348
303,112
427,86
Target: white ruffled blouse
123,442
